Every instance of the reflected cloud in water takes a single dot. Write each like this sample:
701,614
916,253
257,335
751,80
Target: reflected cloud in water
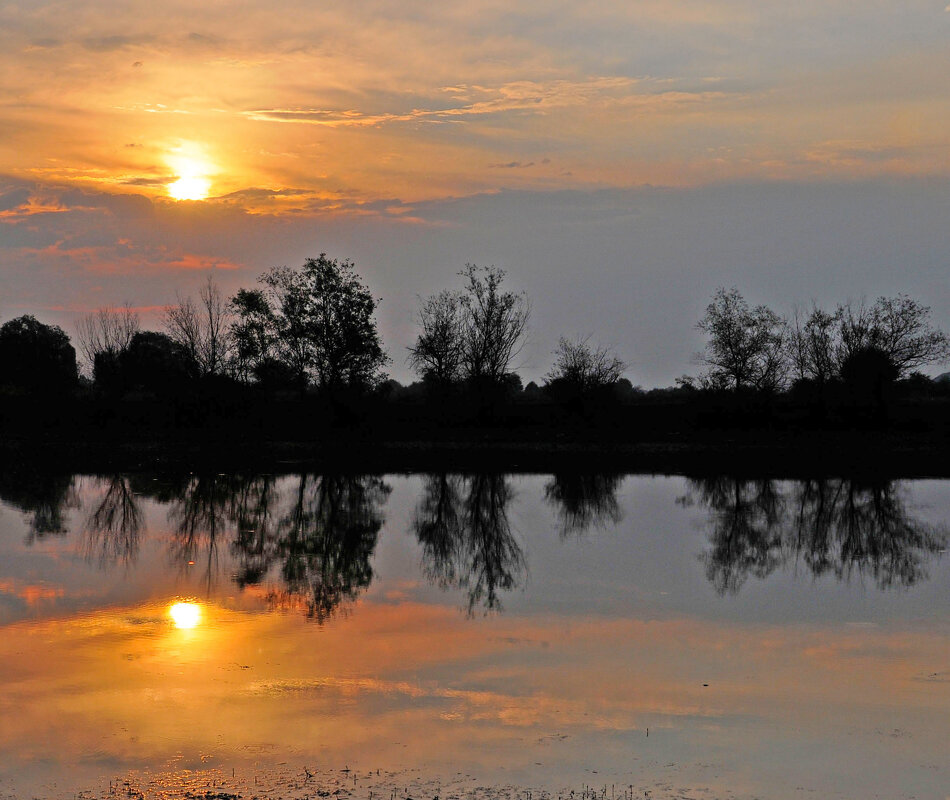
619,632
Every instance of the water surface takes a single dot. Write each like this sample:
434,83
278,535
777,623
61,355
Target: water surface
643,636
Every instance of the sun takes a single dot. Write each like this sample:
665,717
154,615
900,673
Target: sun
192,170
189,187
185,615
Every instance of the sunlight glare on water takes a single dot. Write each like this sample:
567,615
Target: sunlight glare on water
185,615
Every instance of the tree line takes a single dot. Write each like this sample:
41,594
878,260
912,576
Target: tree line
313,329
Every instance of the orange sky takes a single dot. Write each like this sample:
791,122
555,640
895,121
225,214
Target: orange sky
314,113
313,106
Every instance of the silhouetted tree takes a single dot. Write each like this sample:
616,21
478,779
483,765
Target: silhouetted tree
437,353
463,526
582,373
202,328
317,320
897,326
107,331
254,332
36,357
153,362
745,347
474,333
494,324
584,501
579,364
869,373
814,346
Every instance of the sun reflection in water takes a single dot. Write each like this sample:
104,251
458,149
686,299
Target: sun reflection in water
185,615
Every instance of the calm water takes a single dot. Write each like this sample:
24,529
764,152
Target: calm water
473,635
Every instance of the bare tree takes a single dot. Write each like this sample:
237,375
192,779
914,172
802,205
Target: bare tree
813,344
897,326
494,323
437,353
579,364
106,331
473,333
746,347
202,327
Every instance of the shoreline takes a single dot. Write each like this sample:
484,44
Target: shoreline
787,454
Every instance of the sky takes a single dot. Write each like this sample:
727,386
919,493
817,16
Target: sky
620,160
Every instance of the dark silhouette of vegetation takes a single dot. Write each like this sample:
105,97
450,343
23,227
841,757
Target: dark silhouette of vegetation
584,378
870,374
152,362
463,526
438,352
36,357
106,333
201,329
472,335
867,349
299,359
840,527
745,347
316,322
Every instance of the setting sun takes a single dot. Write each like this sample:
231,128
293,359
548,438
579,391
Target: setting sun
189,188
185,615
192,168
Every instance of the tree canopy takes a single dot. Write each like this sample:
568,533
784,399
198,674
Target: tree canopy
36,356
316,321
472,333
745,347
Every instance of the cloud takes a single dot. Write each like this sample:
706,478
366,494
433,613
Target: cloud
107,44
32,594
518,96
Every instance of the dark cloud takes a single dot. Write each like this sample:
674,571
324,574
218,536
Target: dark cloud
107,44
512,165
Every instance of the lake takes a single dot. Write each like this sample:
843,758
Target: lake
473,635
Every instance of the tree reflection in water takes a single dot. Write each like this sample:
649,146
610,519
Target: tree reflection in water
113,527
326,540
308,540
319,534
584,500
43,496
463,526
832,526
